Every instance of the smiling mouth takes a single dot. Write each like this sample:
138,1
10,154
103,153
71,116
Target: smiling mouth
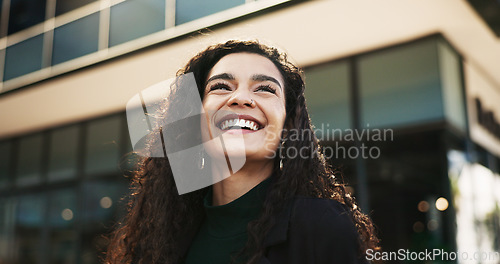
238,123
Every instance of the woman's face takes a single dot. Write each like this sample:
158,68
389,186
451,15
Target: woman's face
244,98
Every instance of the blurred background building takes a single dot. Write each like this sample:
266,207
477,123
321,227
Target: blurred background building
426,71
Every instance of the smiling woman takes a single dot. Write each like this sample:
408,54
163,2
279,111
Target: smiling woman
272,208
243,97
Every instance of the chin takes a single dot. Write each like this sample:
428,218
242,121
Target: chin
216,151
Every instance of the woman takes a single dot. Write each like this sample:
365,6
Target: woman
274,209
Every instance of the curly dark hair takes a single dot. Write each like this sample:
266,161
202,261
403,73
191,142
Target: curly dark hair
158,216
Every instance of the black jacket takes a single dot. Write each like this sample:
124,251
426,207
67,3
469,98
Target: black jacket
307,231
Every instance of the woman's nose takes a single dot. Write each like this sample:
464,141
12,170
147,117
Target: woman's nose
241,98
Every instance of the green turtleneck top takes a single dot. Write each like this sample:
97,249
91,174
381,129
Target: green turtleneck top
224,229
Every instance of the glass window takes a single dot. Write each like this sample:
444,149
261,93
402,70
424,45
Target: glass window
7,211
102,201
134,19
62,208
327,94
23,57
62,215
400,86
188,10
103,145
130,160
29,161
29,224
63,6
63,153
102,206
449,66
76,39
5,161
409,173
25,13
481,156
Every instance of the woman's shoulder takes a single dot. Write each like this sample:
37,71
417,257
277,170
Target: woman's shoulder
326,229
312,208
327,216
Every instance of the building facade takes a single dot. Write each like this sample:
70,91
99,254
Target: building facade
404,95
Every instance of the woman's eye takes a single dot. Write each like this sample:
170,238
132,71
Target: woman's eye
220,86
266,88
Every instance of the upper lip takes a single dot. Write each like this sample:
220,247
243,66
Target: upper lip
238,116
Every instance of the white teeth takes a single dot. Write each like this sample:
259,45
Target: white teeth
239,122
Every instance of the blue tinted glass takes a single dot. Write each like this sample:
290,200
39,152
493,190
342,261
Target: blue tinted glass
451,81
103,145
8,213
188,10
25,13
29,163
76,39
63,153
102,202
327,94
63,6
135,18
29,223
102,206
23,57
30,210
400,86
62,208
5,161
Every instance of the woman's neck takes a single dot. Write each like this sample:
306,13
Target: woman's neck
239,183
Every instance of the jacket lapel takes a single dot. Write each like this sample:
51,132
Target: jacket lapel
278,232
264,260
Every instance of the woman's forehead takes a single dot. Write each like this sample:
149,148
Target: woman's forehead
246,65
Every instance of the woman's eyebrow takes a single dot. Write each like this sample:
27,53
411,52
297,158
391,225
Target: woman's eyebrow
262,77
223,76
255,77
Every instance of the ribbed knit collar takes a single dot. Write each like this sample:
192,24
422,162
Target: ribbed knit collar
231,219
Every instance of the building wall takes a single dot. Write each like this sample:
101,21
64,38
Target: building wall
312,32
